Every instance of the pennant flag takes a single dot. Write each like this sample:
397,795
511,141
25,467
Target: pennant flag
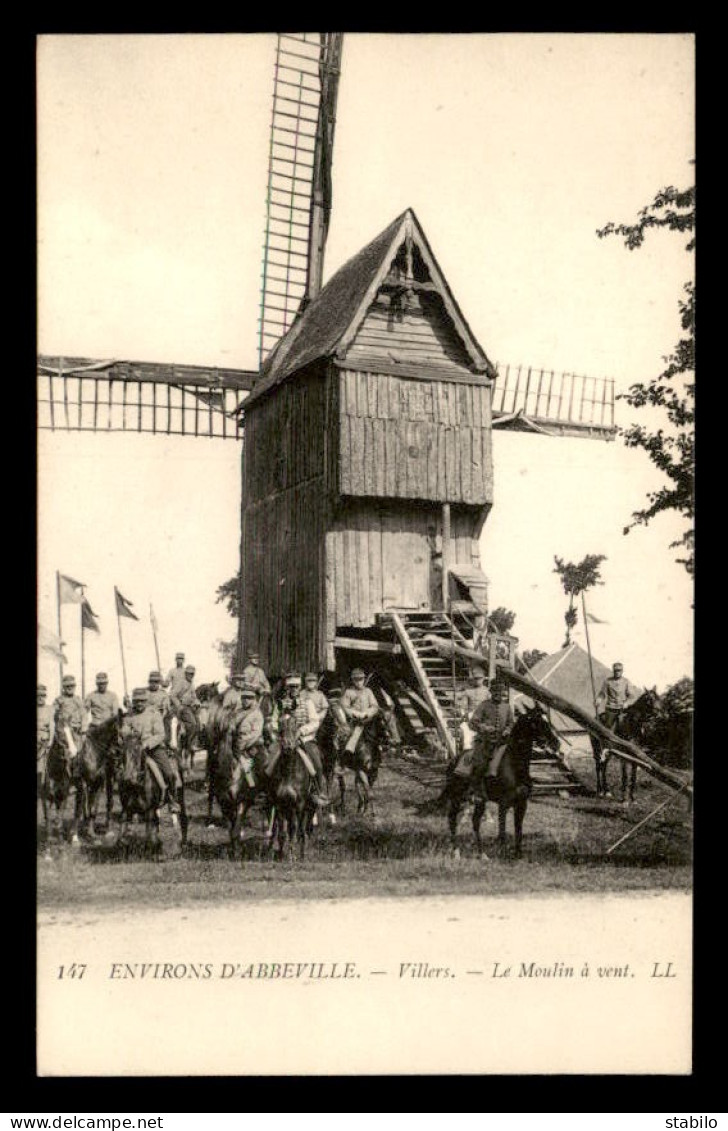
123,607
595,620
69,590
49,642
88,617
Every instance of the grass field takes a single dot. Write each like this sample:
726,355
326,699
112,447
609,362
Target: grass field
393,852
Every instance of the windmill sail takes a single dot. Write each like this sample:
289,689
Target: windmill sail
298,200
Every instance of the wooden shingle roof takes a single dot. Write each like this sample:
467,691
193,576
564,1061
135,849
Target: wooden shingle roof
331,320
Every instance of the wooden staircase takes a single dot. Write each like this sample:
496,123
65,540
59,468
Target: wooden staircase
550,774
434,673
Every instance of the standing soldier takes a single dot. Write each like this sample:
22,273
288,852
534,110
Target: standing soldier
615,695
145,724
69,718
254,674
176,675
492,722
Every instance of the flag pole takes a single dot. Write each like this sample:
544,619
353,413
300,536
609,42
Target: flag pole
154,634
121,646
60,634
83,660
588,649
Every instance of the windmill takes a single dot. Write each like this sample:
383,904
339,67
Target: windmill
321,386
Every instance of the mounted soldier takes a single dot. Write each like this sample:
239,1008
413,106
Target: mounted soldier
254,675
101,704
312,693
246,723
146,726
308,722
185,705
43,738
474,695
492,721
158,699
69,718
176,675
360,707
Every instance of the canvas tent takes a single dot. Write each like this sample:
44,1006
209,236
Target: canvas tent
566,673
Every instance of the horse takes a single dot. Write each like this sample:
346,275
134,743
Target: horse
635,724
96,767
511,787
214,724
365,760
60,776
231,778
291,790
142,792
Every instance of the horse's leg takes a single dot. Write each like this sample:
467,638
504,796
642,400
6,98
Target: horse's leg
478,811
361,784
78,811
502,811
632,782
109,788
342,793
453,813
519,812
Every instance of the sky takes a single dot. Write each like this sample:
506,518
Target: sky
511,149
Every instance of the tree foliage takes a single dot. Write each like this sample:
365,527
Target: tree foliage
531,657
502,620
229,594
672,451
576,578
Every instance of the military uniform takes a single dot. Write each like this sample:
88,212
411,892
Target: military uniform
103,706
254,675
44,725
492,722
319,701
616,693
359,704
68,712
176,679
147,727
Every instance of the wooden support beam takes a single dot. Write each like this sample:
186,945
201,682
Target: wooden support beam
367,645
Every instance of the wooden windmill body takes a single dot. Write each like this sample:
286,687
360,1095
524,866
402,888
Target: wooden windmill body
368,471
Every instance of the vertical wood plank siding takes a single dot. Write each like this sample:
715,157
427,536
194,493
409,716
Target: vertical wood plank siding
428,440
379,555
287,462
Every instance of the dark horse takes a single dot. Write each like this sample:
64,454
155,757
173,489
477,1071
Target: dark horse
511,787
365,760
214,726
291,791
96,767
142,792
635,724
61,772
237,781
